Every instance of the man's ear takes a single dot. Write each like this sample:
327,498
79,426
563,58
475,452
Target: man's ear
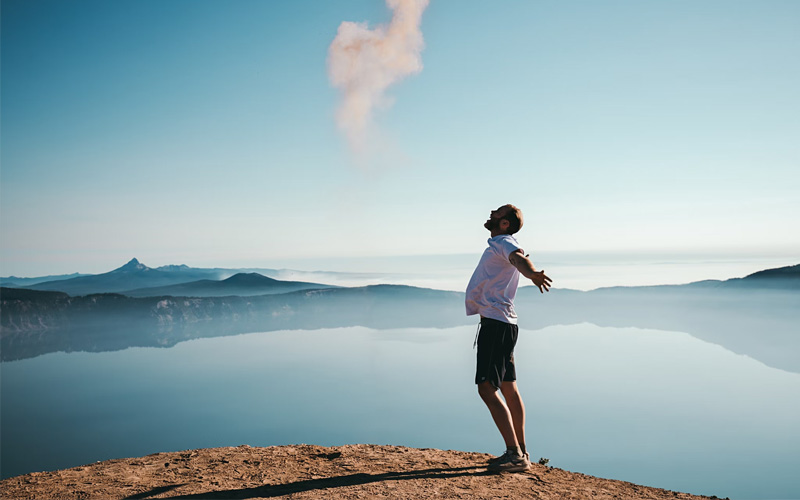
504,224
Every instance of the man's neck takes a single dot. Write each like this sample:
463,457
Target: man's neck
496,232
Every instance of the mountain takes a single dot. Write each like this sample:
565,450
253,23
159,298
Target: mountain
787,278
782,273
16,281
242,284
132,275
781,278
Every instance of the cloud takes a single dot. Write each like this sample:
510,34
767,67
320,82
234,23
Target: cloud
363,63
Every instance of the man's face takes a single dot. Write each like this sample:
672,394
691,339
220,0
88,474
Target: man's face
495,217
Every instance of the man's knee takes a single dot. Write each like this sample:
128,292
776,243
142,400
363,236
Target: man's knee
509,386
510,391
486,390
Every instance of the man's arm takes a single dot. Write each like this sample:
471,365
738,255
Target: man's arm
525,267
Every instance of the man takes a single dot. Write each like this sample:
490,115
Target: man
491,293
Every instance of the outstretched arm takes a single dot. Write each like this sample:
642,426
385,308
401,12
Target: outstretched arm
525,267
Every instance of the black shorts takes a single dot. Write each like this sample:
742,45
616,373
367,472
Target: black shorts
496,341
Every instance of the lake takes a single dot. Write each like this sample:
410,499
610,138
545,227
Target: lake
659,408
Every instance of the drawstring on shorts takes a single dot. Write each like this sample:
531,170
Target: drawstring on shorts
476,336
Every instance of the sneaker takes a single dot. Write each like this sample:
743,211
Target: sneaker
498,458
508,462
501,457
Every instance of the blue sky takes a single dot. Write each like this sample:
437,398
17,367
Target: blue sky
202,132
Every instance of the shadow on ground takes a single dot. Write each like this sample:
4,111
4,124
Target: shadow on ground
277,490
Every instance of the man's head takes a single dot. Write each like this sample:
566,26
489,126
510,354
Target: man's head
505,220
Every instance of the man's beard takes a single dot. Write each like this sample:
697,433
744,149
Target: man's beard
492,224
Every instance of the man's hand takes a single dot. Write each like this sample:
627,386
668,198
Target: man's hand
525,266
542,281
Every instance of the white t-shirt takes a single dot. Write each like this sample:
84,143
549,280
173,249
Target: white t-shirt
493,285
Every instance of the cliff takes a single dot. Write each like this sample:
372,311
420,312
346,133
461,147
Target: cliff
304,471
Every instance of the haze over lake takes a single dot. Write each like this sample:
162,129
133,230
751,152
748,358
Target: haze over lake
576,270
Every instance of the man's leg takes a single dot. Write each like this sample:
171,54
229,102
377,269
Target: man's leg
500,413
516,408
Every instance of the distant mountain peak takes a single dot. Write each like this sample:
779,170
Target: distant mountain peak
132,265
173,267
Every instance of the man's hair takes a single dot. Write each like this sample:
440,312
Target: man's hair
514,217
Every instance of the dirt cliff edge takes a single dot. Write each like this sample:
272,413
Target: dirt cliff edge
307,471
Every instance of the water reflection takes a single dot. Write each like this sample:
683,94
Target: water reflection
658,408
758,322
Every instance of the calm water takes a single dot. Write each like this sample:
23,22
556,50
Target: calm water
651,407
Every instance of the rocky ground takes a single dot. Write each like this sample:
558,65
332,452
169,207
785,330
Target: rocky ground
305,471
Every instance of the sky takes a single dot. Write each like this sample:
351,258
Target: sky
204,132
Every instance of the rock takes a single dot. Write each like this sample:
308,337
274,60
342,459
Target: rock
307,471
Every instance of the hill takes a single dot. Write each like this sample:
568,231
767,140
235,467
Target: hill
241,284
306,471
778,278
16,281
